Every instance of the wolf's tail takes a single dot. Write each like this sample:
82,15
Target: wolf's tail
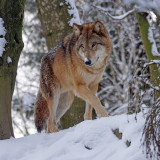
41,113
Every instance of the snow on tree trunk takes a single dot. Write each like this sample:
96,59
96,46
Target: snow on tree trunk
55,20
154,70
11,12
151,132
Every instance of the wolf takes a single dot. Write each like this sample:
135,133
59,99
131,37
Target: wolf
74,67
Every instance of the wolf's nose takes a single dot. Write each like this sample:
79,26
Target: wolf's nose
88,62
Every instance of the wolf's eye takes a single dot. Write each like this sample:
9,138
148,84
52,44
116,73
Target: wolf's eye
81,46
93,45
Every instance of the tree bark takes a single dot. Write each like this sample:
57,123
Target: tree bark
154,71
74,115
54,19
11,12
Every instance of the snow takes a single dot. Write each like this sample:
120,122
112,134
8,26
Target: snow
122,16
152,62
20,125
61,4
151,38
144,5
149,6
28,100
9,60
73,12
88,140
86,8
2,39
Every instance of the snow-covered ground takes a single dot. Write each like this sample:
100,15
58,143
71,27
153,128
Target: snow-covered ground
89,140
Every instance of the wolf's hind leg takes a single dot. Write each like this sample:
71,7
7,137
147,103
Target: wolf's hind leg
52,106
65,102
41,112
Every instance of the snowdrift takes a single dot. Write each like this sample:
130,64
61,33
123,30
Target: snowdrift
89,140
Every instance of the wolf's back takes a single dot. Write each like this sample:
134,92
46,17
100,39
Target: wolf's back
41,112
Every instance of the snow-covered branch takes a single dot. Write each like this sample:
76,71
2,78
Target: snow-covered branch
144,5
152,62
73,12
119,17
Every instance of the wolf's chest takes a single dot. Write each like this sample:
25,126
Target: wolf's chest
90,77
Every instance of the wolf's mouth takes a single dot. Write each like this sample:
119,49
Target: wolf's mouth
92,64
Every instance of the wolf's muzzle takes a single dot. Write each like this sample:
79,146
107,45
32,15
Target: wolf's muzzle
87,61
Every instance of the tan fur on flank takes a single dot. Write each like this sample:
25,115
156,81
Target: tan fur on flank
74,67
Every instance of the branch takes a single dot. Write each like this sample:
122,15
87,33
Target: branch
120,17
152,62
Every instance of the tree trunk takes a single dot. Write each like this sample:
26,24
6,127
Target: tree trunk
54,19
11,11
74,115
154,71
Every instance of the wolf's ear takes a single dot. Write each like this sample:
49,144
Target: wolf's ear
76,29
98,27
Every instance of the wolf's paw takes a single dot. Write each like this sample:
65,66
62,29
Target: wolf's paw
102,113
87,117
52,127
51,130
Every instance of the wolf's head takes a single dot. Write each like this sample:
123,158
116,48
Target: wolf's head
93,44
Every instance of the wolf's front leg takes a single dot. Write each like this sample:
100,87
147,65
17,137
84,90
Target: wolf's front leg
51,126
88,112
85,93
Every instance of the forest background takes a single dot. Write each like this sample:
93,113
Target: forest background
131,81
